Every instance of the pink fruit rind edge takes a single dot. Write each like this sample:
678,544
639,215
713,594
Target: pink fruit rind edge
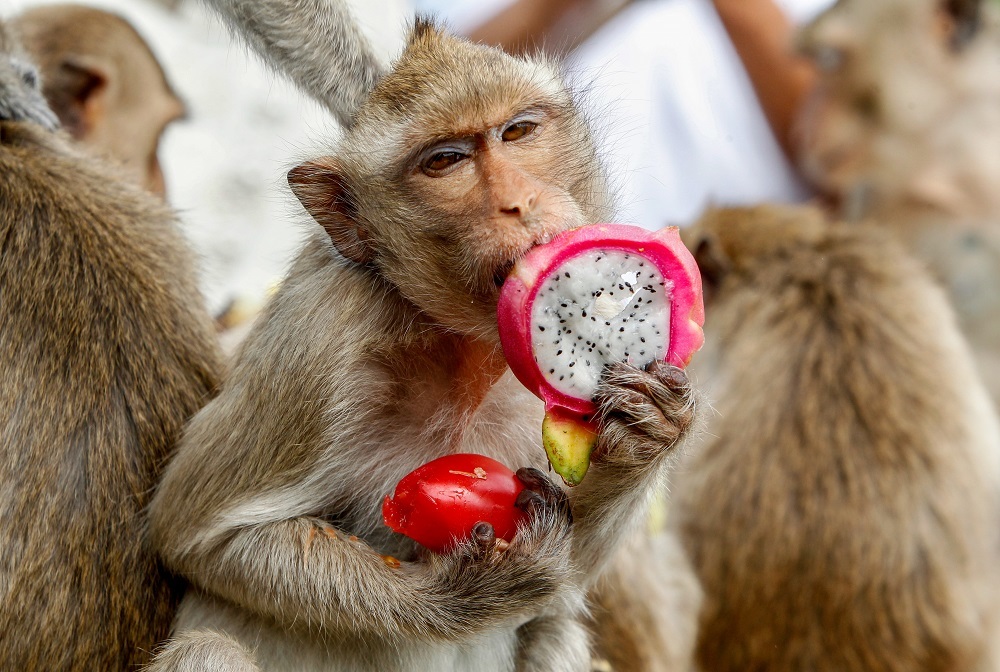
667,252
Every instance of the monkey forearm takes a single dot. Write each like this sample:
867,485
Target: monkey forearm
318,46
303,573
608,506
645,415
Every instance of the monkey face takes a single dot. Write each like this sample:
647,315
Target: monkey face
461,159
888,85
474,203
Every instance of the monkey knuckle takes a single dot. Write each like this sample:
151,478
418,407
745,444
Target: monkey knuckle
675,406
660,444
615,443
618,375
671,376
625,403
638,441
530,477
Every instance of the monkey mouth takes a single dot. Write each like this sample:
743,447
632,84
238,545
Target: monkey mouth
505,267
503,270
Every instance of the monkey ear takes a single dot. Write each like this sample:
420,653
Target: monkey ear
321,188
712,260
962,19
85,84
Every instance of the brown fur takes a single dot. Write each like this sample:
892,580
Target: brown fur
845,514
104,352
380,353
904,129
104,83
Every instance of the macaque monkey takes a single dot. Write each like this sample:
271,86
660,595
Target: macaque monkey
105,351
104,83
379,353
845,512
904,129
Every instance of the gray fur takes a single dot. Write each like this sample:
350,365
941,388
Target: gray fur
21,96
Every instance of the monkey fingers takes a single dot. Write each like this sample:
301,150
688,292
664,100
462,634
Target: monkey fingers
541,491
643,413
484,539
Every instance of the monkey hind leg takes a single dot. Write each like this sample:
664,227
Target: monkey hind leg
203,651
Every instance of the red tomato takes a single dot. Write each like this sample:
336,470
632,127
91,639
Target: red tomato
438,504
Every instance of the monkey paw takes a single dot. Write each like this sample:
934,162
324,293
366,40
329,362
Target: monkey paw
542,499
498,579
643,413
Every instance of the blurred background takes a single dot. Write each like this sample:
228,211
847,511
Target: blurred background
677,121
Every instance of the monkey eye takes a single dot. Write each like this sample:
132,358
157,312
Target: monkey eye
439,162
518,130
867,104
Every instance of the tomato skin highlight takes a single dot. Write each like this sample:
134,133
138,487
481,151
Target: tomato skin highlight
439,503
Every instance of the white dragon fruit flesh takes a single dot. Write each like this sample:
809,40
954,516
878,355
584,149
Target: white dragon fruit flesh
593,296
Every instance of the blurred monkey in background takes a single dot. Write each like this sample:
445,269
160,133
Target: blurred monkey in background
903,129
104,83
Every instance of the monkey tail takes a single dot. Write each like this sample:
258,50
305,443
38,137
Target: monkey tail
316,43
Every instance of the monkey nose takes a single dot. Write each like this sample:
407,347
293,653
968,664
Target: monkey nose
521,207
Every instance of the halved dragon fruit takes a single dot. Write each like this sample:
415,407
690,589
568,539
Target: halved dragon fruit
593,296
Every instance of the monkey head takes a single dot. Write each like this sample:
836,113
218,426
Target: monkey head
899,83
461,159
758,265
737,248
104,83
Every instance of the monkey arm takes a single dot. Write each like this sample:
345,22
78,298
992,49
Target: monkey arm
645,416
762,35
304,574
319,46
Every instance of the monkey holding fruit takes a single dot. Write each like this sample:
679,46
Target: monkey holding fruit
379,353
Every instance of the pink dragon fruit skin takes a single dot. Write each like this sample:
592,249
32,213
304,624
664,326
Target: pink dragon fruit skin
569,432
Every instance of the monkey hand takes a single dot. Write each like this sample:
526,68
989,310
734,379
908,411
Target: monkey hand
497,580
643,414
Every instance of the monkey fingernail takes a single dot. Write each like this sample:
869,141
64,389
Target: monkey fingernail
391,562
